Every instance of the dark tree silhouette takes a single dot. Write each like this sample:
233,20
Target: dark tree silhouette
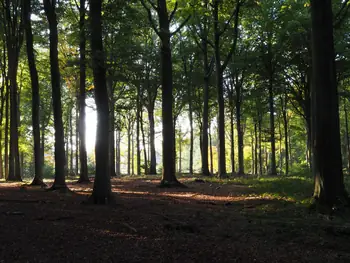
60,159
38,176
329,179
83,177
102,193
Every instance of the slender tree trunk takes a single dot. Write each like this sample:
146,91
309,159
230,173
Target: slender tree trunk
144,143
7,132
129,146
220,93
71,170
285,121
211,154
60,179
239,131
117,149
38,163
191,133
77,137
256,148
102,192
153,164
346,136
132,151
260,145
272,170
205,124
138,150
83,177
232,138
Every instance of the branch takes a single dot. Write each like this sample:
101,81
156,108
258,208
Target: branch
181,26
235,32
227,23
210,68
152,4
150,18
173,13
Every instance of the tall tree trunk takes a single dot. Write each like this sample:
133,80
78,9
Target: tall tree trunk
239,131
329,180
144,143
260,145
220,93
347,137
205,124
285,122
132,151
211,154
38,164
102,192
256,148
83,177
14,38
117,153
272,170
60,179
7,122
129,146
232,138
71,142
138,150
77,137
153,164
191,132
168,176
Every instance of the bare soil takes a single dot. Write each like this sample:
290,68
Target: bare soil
207,222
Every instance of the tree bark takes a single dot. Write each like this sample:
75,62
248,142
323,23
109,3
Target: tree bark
77,137
239,129
211,154
285,122
272,170
138,150
83,177
38,164
347,137
60,179
232,137
260,146
14,39
102,192
153,164
329,180
190,112
129,146
144,143
220,93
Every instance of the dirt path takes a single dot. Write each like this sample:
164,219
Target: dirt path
207,222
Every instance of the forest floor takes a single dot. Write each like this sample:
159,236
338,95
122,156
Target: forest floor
243,220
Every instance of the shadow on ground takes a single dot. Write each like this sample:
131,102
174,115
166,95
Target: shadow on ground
211,221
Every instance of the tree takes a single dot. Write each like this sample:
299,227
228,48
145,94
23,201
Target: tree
38,176
83,177
102,193
14,39
220,68
60,177
168,176
329,180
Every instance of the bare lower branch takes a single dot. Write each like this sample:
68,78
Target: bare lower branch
150,18
173,13
181,26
